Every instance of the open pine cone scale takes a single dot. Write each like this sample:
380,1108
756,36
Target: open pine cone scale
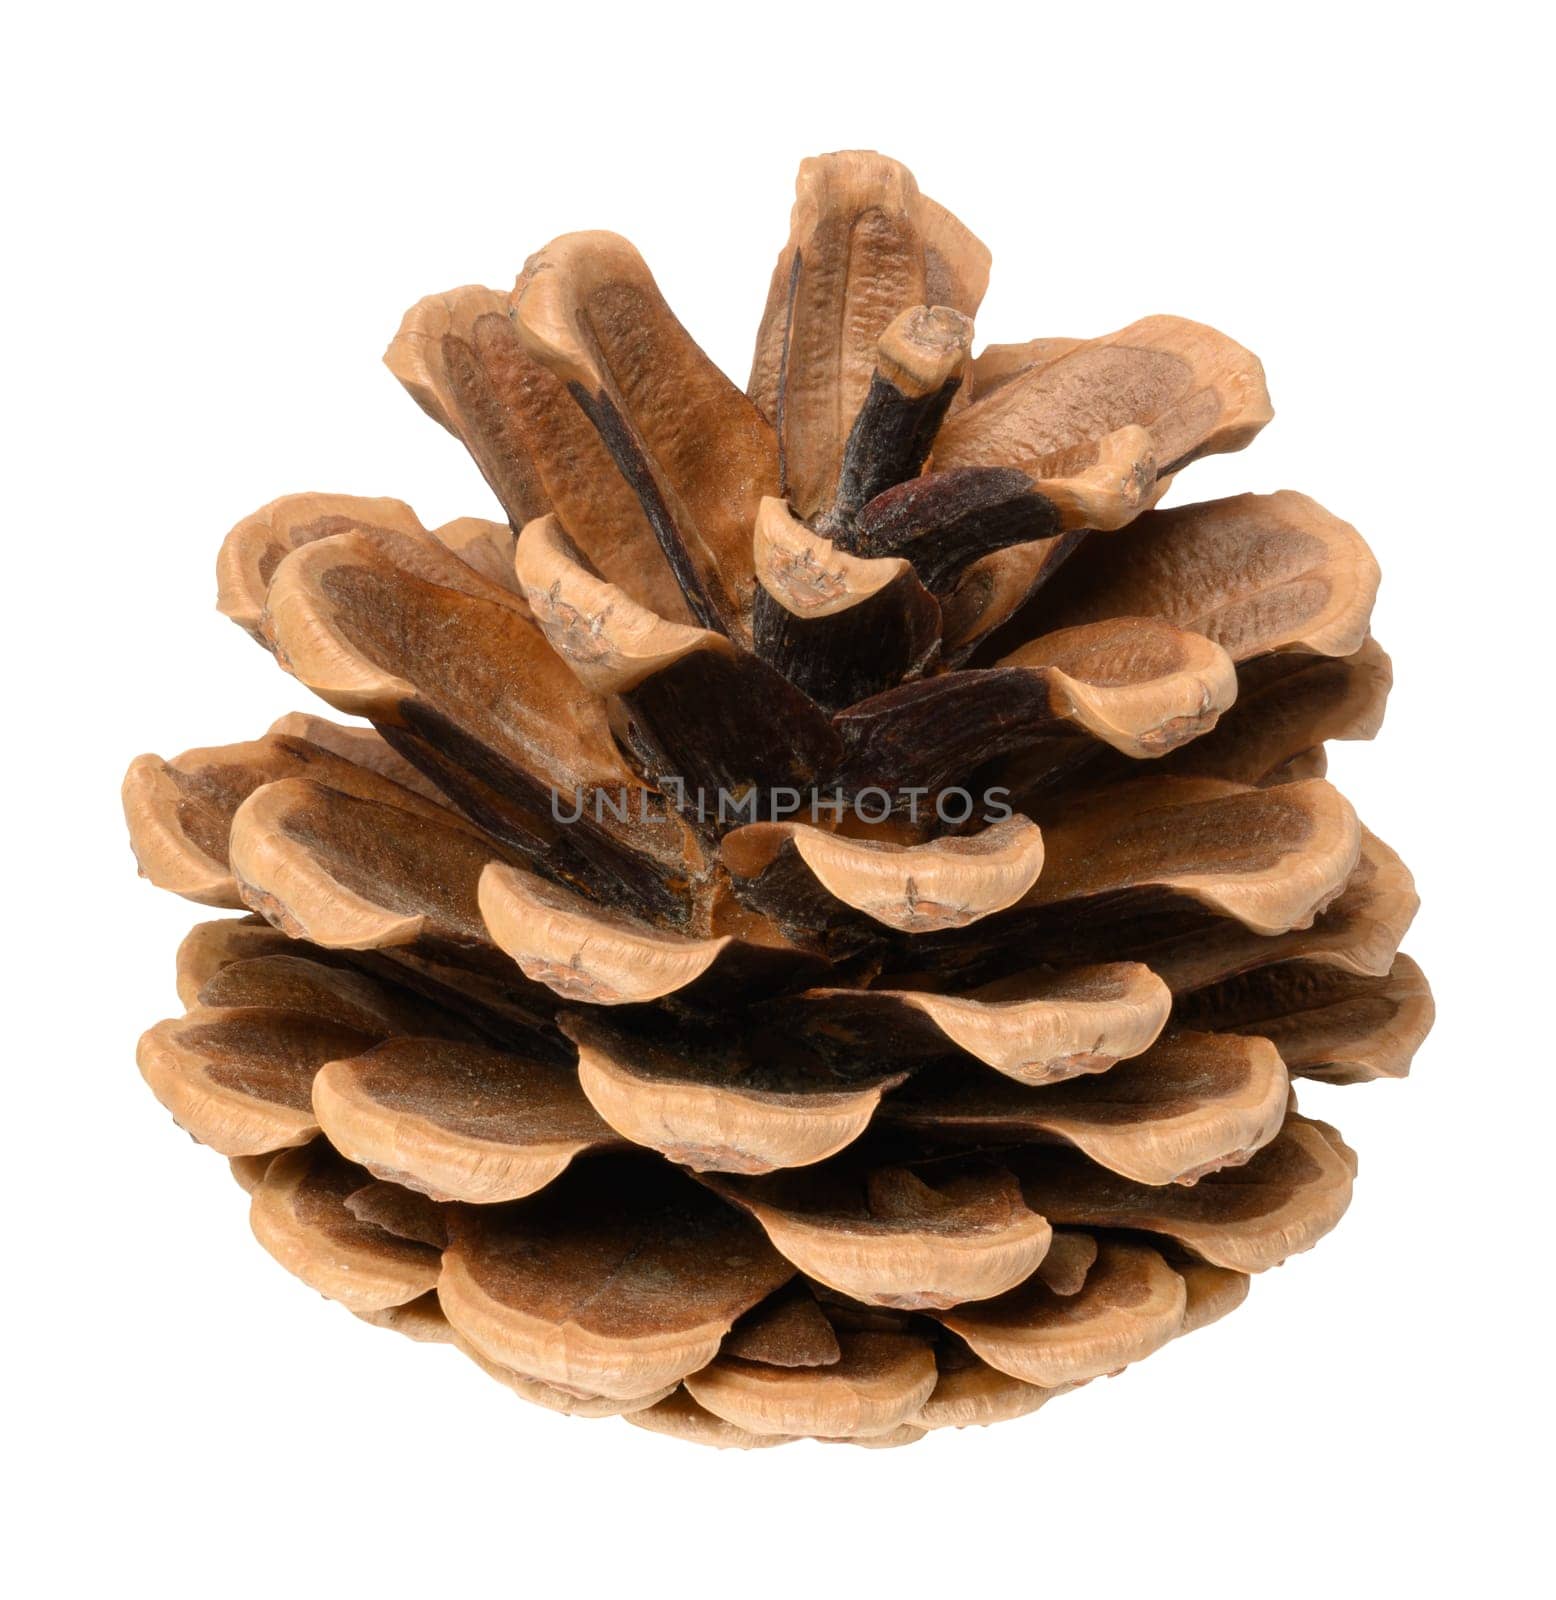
818,934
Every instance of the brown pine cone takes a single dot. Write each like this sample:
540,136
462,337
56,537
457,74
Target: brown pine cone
818,934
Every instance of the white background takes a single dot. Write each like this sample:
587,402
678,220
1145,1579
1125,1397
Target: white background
216,218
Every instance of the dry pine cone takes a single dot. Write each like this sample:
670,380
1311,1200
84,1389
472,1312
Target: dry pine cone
818,934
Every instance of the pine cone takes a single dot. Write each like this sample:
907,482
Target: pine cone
817,936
